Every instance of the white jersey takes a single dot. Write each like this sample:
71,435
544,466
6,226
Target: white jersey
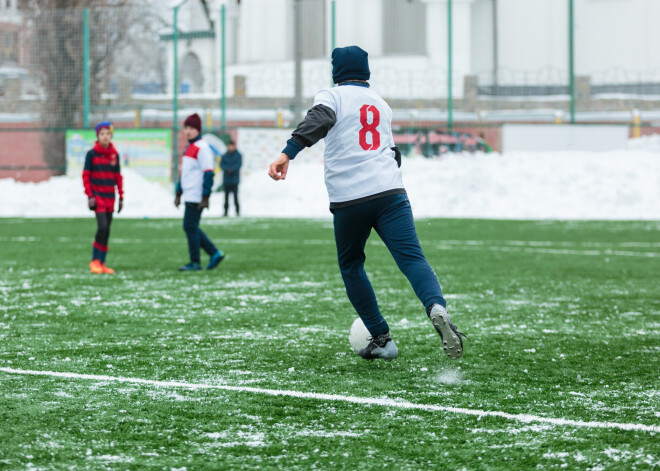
358,159
197,159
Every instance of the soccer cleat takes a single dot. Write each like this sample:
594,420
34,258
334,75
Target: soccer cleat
451,337
381,346
216,258
95,267
106,269
191,267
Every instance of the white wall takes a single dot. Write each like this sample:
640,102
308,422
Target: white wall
609,35
481,29
360,23
559,138
533,37
192,17
625,36
265,31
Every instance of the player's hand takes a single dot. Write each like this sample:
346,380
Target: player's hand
279,167
91,203
204,203
120,206
177,200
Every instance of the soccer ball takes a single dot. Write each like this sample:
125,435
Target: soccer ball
359,337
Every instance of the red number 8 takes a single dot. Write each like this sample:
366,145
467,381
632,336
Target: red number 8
369,127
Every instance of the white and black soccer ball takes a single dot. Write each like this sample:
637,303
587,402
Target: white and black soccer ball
359,337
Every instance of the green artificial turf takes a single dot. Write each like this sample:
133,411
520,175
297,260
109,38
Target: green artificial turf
563,320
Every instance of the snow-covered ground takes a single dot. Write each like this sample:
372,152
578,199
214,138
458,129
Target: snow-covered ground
622,184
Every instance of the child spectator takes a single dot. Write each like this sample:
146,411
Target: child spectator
100,176
195,185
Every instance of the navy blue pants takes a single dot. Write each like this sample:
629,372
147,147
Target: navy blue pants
233,189
392,219
196,236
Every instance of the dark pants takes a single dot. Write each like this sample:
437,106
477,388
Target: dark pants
231,189
392,218
196,236
100,246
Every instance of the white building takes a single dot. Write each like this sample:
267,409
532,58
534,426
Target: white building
503,42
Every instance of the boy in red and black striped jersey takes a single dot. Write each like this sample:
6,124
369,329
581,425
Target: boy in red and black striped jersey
100,176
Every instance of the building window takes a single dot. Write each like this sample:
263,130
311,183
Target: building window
192,79
404,30
8,47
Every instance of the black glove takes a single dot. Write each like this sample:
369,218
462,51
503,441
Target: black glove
177,200
120,206
204,203
397,155
91,203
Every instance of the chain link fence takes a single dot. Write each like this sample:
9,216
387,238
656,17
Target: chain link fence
252,63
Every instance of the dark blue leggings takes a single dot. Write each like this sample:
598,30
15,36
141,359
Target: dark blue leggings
196,236
233,189
392,219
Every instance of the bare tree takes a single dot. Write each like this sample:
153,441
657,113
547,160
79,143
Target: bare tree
57,47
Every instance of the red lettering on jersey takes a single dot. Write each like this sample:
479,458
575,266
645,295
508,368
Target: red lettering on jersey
368,127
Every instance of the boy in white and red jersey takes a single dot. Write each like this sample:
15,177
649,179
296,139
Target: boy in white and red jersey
195,186
366,192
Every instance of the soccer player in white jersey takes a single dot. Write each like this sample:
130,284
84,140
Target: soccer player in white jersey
195,182
366,192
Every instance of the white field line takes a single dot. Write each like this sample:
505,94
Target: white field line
526,418
519,246
479,243
590,253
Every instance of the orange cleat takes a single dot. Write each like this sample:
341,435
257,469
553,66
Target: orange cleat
95,266
107,270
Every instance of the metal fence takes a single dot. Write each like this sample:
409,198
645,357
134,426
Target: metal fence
259,63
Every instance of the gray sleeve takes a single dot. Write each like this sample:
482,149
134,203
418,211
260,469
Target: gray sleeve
318,121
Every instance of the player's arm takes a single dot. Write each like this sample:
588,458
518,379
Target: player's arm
178,191
87,180
316,125
395,149
87,174
119,180
205,159
397,155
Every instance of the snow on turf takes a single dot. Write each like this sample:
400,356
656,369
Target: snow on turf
623,184
450,376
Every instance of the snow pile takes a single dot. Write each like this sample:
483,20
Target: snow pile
650,143
564,185
576,185
621,184
65,197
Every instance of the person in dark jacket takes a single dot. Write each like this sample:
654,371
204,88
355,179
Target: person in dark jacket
231,167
